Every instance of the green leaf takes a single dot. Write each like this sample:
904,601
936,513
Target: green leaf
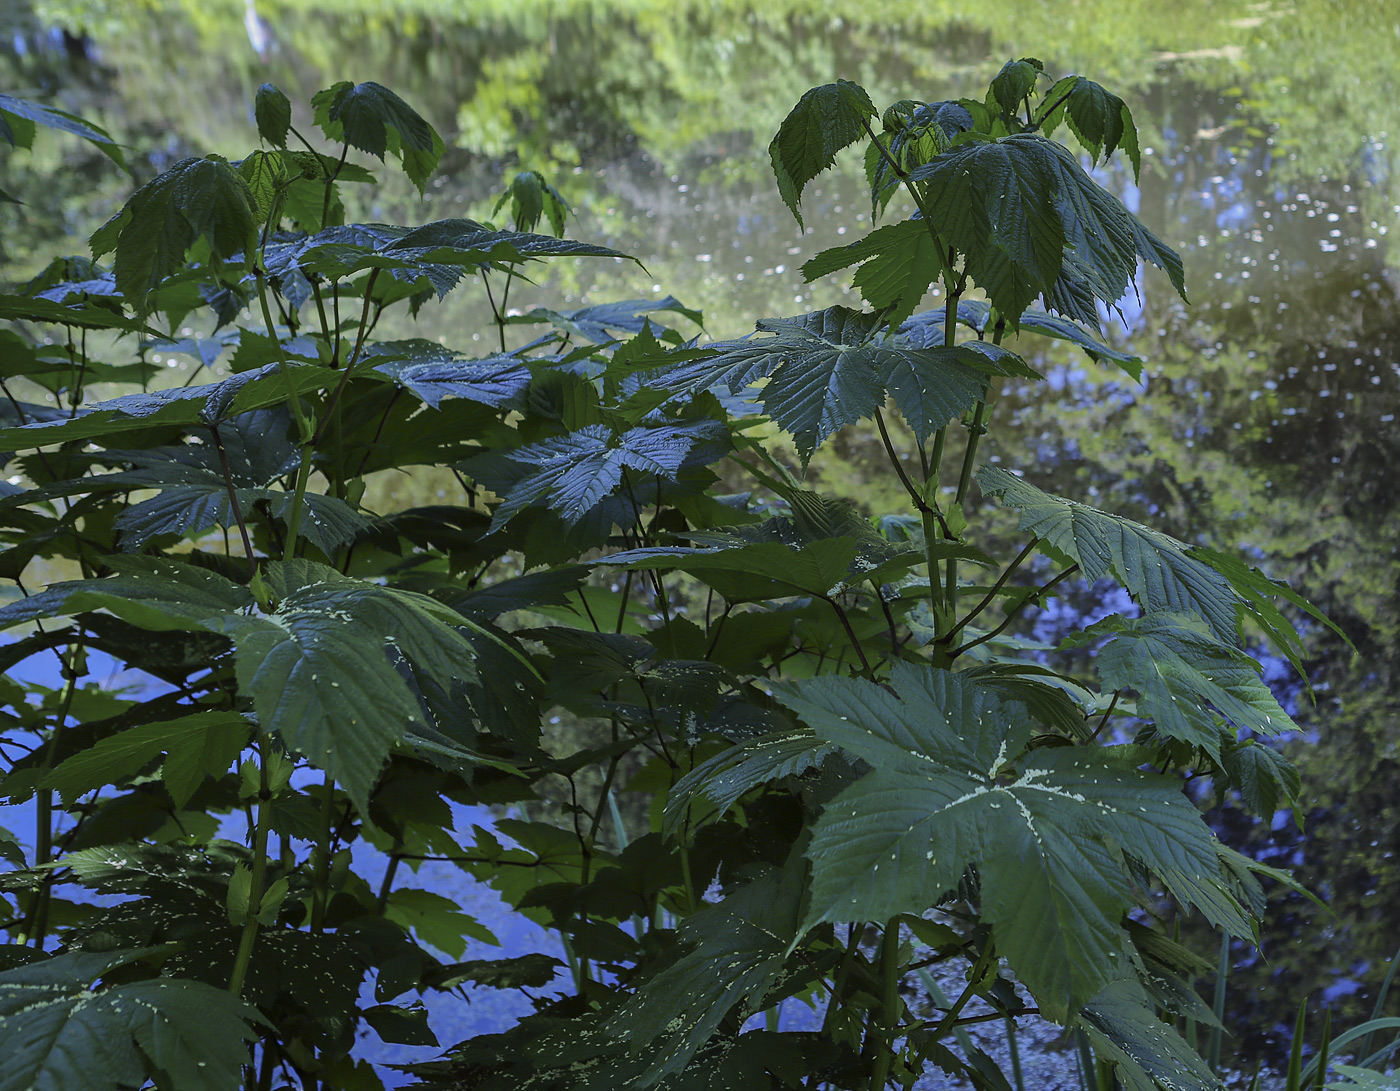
10,850
1364,1079
201,406
737,950
154,593
531,198
1013,207
823,568
1100,120
1148,1053
273,113
197,746
267,178
320,675
432,372
926,329
572,475
1157,570
59,1032
404,1026
19,116
1264,777
830,368
1048,839
532,971
195,199
1014,84
900,262
436,920
372,118
87,316
733,773
1257,592
466,242
825,120
1181,672
600,322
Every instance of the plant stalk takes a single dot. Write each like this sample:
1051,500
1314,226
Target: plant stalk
249,938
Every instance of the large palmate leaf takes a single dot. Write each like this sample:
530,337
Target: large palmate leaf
1185,677
825,120
60,1033
1157,570
195,199
738,949
601,321
571,475
757,571
466,242
320,675
372,118
1048,834
830,368
1012,207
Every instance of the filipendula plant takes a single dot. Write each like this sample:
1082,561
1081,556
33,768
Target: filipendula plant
803,753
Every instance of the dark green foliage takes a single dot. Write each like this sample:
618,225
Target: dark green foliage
59,1033
757,741
273,112
375,120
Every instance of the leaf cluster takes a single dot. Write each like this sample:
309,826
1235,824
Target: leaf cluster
742,746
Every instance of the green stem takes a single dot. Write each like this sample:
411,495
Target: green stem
234,506
890,1006
321,867
298,502
975,431
1015,611
851,635
843,972
43,823
249,938
293,398
919,503
386,887
334,403
996,588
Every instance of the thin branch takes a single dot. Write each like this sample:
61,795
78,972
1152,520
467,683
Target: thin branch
1015,612
996,588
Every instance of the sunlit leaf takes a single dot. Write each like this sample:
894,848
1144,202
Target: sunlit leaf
825,120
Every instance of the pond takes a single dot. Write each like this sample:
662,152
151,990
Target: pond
1266,421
